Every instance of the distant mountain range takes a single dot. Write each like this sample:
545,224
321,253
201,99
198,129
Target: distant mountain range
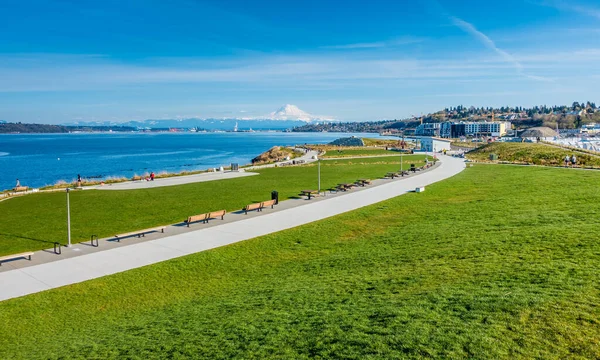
287,117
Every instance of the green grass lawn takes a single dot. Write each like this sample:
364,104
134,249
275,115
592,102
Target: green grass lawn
489,264
35,222
531,153
467,144
358,152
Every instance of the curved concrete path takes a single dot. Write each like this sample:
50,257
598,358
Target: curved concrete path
45,276
196,178
172,181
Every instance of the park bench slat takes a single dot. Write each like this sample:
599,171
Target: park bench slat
194,218
205,217
216,214
270,203
250,207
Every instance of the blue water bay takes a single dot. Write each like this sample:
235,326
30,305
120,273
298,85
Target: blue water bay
43,159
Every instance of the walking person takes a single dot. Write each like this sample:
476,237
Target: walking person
152,176
18,183
567,160
573,160
78,180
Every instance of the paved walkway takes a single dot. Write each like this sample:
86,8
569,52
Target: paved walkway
75,265
172,181
196,178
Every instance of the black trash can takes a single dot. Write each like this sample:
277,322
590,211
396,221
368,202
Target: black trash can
275,196
412,168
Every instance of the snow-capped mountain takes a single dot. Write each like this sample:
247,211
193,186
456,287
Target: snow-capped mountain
286,117
292,112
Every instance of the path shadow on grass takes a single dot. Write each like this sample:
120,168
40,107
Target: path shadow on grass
28,238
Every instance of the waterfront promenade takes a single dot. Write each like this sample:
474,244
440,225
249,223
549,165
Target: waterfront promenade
83,262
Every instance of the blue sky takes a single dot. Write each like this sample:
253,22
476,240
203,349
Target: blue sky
77,60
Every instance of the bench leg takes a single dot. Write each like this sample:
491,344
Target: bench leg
29,257
162,231
188,224
223,217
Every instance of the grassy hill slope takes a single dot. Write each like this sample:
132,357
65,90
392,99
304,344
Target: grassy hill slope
531,153
491,263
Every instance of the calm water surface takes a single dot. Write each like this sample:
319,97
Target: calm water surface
42,159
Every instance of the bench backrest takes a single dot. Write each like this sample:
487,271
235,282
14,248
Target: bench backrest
215,214
268,203
253,206
195,218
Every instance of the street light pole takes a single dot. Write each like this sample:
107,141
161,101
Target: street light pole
68,220
319,166
402,154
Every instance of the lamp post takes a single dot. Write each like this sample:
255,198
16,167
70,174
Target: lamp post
319,167
402,154
401,161
68,220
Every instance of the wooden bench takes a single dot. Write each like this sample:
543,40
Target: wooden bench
196,218
270,203
250,207
16,256
391,175
346,187
216,214
205,217
363,182
140,233
309,193
21,188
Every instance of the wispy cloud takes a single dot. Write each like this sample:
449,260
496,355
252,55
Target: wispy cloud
588,10
332,70
490,44
470,29
399,41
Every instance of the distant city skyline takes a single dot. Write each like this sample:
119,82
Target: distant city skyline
65,61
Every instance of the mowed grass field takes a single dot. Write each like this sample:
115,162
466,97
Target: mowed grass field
489,264
35,222
531,153
332,153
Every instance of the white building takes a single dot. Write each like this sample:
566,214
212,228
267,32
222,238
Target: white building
592,128
433,144
428,129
